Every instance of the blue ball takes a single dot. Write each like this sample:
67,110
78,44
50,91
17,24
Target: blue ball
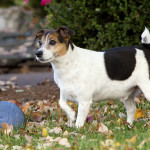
10,113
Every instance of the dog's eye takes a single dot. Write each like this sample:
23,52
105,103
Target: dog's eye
52,42
40,43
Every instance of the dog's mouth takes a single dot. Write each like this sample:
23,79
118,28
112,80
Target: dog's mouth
44,60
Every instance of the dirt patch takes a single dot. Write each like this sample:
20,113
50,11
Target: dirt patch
47,90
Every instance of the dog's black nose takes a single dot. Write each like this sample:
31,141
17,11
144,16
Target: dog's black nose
39,53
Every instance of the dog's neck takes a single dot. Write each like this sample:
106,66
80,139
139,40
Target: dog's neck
64,60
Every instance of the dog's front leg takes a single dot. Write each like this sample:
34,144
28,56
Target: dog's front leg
83,110
70,113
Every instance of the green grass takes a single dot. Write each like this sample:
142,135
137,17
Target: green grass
88,137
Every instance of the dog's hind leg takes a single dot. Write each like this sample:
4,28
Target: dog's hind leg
130,106
70,113
145,87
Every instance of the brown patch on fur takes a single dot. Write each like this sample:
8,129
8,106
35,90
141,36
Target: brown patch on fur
59,49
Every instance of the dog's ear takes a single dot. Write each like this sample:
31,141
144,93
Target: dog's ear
39,34
65,32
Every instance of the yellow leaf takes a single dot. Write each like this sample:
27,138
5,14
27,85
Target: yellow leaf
139,114
117,144
44,132
132,140
120,121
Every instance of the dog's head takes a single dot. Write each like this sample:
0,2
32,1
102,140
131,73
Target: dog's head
53,43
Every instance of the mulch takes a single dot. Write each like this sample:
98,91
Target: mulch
47,90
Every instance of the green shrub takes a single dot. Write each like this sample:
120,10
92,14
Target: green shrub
101,24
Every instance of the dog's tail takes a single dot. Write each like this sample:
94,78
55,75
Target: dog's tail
146,38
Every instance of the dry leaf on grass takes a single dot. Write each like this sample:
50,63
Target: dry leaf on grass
26,108
110,102
44,132
8,129
107,143
66,133
17,136
139,114
16,147
132,140
15,102
41,146
143,142
64,142
28,138
55,130
36,116
120,121
114,106
90,118
103,129
147,124
3,147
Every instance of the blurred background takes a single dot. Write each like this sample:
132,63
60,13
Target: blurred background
98,25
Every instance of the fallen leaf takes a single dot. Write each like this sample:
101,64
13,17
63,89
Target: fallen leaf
64,142
17,136
114,106
120,121
26,108
90,118
28,138
147,124
139,114
28,147
107,143
36,116
66,133
16,147
44,132
103,129
117,144
1,146
15,102
55,130
8,129
110,102
41,146
132,140
143,142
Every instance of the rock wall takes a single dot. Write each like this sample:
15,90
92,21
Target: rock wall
14,19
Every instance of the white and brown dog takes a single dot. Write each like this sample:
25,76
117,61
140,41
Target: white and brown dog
86,76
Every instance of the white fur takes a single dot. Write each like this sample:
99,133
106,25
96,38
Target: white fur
81,76
145,36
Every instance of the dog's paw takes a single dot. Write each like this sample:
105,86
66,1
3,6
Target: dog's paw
70,123
79,124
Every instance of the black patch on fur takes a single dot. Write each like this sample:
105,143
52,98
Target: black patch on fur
70,43
60,38
147,46
120,62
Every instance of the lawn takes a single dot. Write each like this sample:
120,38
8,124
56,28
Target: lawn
105,128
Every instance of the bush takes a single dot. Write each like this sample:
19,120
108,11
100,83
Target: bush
101,24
